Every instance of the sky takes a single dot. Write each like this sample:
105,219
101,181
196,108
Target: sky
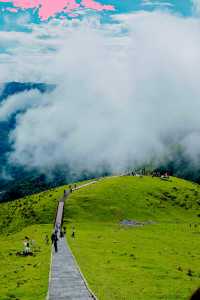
127,81
42,10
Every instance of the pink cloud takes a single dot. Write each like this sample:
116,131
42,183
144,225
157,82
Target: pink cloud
96,5
49,8
12,9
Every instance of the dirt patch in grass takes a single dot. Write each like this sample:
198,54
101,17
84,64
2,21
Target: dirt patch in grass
134,223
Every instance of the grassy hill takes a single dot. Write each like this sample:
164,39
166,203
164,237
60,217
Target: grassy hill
26,278
157,260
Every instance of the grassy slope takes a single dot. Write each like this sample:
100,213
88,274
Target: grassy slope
26,278
150,262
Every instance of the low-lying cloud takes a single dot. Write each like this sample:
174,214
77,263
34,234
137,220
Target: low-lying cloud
123,90
19,103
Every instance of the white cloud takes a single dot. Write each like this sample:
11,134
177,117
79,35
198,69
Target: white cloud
196,6
156,3
122,88
19,102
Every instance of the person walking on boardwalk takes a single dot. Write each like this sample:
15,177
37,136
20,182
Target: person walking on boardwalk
61,233
54,239
57,227
64,230
55,243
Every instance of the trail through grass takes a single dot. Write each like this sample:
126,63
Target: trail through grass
26,278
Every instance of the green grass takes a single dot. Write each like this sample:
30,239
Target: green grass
157,261
26,278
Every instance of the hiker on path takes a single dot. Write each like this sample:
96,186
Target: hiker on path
54,233
64,230
54,240
61,233
55,243
57,227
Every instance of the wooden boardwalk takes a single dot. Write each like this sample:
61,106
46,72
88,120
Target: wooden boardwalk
84,185
65,280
